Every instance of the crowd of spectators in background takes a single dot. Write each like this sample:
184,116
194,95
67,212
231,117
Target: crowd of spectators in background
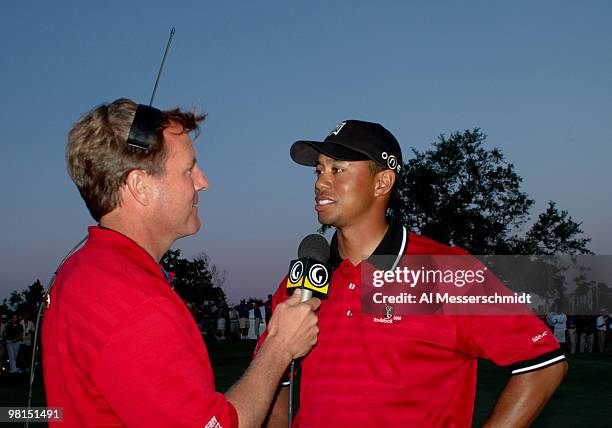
580,333
218,321
247,320
16,338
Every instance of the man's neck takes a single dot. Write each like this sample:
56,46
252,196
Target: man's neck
139,233
359,241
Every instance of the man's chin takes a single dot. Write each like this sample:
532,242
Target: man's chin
325,221
192,230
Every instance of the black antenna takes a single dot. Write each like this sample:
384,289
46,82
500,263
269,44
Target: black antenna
161,67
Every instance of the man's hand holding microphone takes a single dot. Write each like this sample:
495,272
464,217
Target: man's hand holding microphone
291,334
293,327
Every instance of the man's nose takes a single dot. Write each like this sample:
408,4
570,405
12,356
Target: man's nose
200,181
322,182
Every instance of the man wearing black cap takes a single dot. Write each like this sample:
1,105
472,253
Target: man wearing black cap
383,370
120,348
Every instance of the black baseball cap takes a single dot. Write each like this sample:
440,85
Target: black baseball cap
352,140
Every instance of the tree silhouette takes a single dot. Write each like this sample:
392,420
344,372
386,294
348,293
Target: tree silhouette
26,300
461,193
555,232
194,280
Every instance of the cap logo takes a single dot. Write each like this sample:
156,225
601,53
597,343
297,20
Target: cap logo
338,128
391,161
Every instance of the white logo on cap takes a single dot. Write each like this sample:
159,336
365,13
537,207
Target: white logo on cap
338,128
391,161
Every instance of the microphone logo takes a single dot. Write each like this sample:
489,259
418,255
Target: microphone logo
317,275
296,272
311,270
317,279
310,275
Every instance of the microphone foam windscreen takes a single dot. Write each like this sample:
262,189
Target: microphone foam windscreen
314,247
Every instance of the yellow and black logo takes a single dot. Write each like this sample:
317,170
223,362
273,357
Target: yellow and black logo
296,274
309,274
317,279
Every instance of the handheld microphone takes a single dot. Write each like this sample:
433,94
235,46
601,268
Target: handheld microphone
310,271
312,274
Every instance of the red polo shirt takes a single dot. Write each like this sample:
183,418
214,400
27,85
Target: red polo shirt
120,348
417,372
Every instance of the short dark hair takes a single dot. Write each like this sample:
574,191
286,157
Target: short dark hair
99,158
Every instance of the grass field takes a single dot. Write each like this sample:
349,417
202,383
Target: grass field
583,400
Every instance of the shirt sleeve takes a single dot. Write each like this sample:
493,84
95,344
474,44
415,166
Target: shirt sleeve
520,342
154,372
509,334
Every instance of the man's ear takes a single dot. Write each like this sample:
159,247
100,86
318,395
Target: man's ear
384,182
139,187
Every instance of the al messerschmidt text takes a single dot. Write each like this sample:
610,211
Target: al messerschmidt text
411,298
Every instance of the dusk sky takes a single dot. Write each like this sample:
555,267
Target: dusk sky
534,76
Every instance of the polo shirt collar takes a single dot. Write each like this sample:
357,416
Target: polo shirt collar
103,236
394,243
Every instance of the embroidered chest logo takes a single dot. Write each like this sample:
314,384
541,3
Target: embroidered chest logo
388,316
388,311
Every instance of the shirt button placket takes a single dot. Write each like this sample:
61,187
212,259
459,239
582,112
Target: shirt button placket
351,300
